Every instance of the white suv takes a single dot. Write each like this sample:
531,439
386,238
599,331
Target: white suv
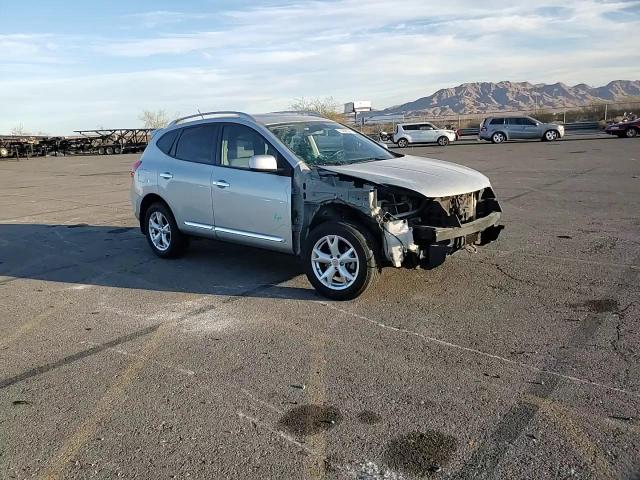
409,133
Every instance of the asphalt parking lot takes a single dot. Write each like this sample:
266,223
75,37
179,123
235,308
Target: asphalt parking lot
520,361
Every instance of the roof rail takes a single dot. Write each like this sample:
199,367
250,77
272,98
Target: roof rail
212,114
299,112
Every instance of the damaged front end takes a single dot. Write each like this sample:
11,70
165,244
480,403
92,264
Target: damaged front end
420,231
413,230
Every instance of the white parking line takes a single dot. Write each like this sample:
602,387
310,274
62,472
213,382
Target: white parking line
282,435
480,352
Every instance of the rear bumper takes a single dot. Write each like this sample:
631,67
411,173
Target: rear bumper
136,200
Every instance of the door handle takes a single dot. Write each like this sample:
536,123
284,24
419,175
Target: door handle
221,184
167,175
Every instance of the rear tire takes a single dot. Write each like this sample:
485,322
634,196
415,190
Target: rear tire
162,232
443,141
402,143
631,132
340,260
498,137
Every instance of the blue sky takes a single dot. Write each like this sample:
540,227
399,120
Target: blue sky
67,65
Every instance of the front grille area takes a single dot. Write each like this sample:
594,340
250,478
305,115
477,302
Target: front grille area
464,206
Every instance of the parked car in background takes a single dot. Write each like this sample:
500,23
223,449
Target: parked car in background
411,133
501,129
303,185
624,129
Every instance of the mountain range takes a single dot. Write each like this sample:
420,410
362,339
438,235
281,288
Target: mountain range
481,97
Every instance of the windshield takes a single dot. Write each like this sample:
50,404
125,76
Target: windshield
324,142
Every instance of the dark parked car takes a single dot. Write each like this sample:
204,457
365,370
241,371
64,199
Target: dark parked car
624,129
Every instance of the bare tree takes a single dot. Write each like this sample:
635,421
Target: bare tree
18,130
327,107
157,119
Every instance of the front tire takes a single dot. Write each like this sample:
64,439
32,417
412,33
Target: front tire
443,141
162,232
403,142
340,260
498,137
550,136
631,132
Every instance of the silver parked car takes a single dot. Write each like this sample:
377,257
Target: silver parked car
501,129
304,185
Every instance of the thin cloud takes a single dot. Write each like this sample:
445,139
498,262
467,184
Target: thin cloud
258,58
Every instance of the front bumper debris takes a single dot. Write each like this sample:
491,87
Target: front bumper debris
428,234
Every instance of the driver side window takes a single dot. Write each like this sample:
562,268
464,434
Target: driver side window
240,143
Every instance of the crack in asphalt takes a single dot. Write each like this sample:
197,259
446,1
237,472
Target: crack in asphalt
485,460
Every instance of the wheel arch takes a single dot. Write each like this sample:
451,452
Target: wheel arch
342,212
544,135
503,132
148,200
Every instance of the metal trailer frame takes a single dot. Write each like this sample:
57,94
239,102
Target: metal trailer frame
98,141
116,140
16,146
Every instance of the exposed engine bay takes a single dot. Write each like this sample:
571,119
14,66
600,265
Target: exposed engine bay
422,231
414,230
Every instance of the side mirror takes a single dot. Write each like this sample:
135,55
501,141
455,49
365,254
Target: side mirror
263,163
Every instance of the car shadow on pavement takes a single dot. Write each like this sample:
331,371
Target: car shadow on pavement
120,257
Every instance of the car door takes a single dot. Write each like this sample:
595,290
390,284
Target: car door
427,133
184,178
251,207
530,128
515,127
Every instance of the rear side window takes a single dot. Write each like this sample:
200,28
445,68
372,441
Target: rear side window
515,121
497,121
166,141
196,144
410,127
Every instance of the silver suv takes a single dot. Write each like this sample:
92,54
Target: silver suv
304,185
501,129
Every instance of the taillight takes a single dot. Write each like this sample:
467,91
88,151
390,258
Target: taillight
135,167
483,129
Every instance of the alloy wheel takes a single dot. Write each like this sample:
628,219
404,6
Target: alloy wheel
159,231
335,262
